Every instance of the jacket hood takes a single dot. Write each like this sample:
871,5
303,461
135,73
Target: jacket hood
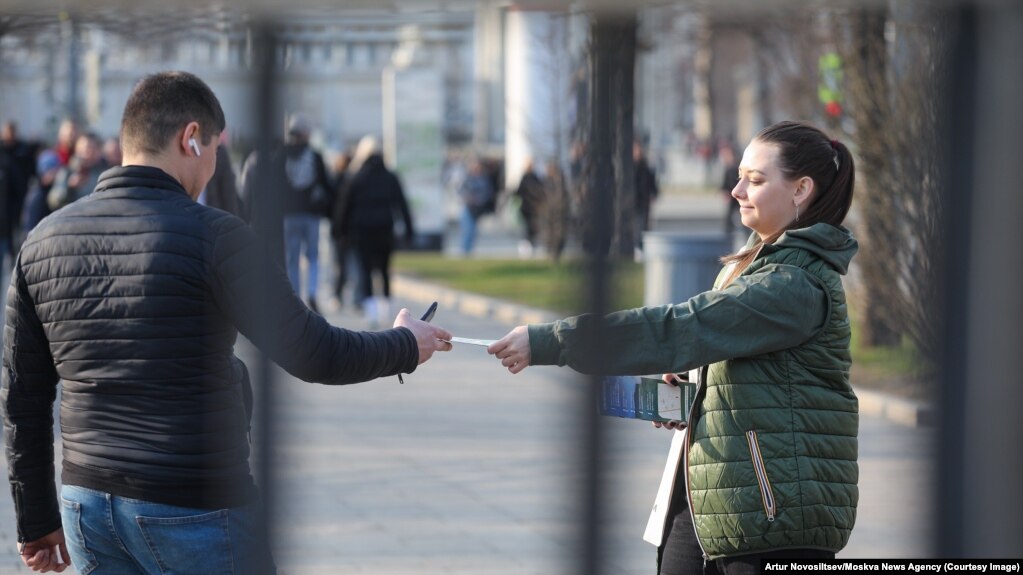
834,245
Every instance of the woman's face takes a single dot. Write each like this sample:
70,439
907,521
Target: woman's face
765,196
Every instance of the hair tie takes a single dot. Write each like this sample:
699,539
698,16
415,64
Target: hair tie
834,146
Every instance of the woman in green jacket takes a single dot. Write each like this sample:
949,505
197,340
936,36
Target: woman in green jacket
770,454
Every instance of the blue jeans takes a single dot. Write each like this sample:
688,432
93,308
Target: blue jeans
468,229
303,230
111,535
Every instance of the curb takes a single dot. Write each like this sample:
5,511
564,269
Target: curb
468,303
872,403
895,409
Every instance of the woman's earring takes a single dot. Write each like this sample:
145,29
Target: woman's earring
797,210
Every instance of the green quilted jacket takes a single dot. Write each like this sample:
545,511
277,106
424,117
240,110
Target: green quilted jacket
772,441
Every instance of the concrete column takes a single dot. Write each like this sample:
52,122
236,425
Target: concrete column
537,70
488,45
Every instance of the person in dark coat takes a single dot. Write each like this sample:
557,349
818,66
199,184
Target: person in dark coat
646,190
35,207
222,191
729,178
8,183
22,158
373,198
531,197
131,299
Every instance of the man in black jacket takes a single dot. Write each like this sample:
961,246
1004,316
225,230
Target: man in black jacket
133,297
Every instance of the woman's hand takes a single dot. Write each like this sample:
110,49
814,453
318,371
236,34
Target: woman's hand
513,349
674,378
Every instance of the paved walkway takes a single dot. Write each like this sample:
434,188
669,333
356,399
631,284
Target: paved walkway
468,469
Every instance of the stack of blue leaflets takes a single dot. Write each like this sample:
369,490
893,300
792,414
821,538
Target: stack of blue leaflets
646,398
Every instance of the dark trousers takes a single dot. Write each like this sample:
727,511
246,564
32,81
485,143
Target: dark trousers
680,554
375,255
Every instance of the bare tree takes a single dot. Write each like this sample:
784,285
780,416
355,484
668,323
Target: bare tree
891,83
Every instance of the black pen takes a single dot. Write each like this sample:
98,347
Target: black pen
429,312
426,317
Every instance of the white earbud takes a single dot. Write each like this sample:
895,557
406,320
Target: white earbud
195,147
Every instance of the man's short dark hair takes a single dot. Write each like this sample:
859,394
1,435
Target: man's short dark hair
163,103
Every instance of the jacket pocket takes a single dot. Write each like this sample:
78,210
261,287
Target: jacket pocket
766,494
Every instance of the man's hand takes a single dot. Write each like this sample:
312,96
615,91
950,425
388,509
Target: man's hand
513,349
42,556
428,336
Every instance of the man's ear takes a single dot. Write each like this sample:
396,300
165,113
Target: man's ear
190,131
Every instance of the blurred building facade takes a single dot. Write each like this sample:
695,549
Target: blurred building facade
512,78
331,68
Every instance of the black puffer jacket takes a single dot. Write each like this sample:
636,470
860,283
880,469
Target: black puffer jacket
132,297
372,199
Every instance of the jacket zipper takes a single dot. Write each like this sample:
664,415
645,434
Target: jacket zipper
766,494
685,461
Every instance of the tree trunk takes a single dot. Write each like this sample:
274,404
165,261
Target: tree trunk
609,175
867,66
598,172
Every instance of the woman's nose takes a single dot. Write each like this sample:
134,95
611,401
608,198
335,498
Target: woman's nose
739,191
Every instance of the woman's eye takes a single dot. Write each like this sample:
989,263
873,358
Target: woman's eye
755,182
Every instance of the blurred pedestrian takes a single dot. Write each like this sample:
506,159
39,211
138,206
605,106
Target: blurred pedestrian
67,136
222,191
646,190
767,466
9,180
344,256
78,178
374,197
49,165
306,200
452,172
112,152
477,194
729,179
132,299
36,207
530,193
23,156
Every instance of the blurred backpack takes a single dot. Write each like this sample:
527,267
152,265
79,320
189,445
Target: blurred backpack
304,173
